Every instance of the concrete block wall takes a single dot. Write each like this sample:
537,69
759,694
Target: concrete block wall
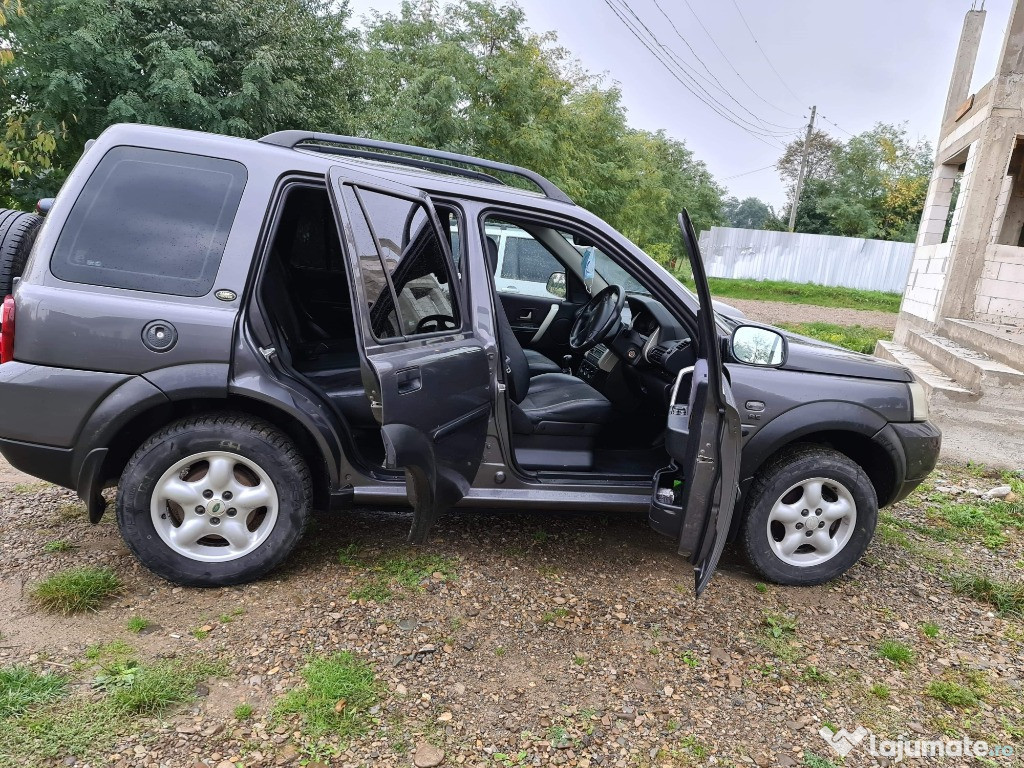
926,281
1000,296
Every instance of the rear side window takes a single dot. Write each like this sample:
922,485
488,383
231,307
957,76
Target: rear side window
151,220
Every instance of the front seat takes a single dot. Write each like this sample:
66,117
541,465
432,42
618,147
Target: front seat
555,416
538,362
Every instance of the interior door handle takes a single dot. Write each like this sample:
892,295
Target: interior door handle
526,314
408,380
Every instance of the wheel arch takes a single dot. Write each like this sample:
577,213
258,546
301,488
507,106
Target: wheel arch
125,439
849,428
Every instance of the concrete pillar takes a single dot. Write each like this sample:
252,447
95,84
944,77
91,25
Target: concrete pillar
963,66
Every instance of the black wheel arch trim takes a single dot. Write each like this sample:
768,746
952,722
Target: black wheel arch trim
811,418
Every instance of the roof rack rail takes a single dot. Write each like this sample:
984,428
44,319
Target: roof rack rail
385,150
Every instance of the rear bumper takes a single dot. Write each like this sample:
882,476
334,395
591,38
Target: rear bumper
47,462
921,442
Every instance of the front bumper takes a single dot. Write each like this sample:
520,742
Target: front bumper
921,442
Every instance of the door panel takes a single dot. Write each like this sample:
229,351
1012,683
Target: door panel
430,388
694,498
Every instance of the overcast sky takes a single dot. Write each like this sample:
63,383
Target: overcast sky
860,62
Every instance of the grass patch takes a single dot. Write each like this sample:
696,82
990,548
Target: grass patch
404,570
952,694
777,635
855,337
896,652
61,545
338,691
152,688
804,293
136,624
930,630
21,687
243,711
811,760
79,589
880,691
1006,597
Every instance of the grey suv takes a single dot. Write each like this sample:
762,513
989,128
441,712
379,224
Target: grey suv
236,332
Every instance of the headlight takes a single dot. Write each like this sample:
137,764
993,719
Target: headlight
918,401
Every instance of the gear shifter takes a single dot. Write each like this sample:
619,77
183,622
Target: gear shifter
567,364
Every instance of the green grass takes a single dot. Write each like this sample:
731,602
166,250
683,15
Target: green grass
896,652
243,711
60,545
21,687
79,589
812,760
1007,597
952,694
855,337
804,293
136,624
86,727
337,692
880,691
405,570
930,629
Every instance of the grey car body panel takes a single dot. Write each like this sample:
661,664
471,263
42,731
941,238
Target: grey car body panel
63,326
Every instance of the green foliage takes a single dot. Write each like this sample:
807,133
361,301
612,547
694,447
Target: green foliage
880,690
895,651
136,624
60,545
241,67
952,694
930,629
1006,596
854,337
21,687
751,213
147,689
873,186
75,590
338,691
243,711
804,293
404,570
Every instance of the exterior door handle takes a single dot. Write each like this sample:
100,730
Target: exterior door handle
408,380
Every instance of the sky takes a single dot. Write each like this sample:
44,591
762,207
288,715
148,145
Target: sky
859,62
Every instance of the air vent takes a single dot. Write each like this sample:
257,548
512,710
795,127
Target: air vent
657,354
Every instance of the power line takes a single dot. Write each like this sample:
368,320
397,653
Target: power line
747,173
652,45
718,83
836,126
682,67
754,38
732,66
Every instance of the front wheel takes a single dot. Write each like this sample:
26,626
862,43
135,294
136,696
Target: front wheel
810,515
214,500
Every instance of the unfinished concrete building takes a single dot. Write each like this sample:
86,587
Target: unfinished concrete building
961,324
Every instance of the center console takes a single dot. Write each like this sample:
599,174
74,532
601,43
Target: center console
596,365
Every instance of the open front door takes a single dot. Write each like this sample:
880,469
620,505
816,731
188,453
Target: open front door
694,498
426,375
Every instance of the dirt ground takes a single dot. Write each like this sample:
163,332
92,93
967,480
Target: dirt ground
549,639
775,312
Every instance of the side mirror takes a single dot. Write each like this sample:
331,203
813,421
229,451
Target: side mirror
556,284
758,346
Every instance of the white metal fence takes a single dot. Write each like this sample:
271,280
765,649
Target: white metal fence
851,262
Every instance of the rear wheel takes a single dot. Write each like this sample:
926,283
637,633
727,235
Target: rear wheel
214,500
810,515
17,233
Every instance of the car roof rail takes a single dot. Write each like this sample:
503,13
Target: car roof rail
388,151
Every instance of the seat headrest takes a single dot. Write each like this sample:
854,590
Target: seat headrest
492,253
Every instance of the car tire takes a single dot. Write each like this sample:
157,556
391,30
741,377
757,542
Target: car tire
17,234
809,516
214,500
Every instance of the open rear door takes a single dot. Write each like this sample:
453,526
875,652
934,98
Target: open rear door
426,375
695,496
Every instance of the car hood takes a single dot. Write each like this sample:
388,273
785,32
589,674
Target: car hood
807,354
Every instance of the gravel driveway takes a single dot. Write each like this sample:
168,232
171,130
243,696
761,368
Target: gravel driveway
538,640
775,312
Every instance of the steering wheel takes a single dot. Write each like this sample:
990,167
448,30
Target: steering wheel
597,318
441,323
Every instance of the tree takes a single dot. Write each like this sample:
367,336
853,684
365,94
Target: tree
750,213
821,160
875,187
241,67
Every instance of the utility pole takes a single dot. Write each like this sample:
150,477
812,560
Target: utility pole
803,168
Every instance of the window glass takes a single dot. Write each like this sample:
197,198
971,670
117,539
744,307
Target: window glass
411,251
606,267
525,265
151,220
310,231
